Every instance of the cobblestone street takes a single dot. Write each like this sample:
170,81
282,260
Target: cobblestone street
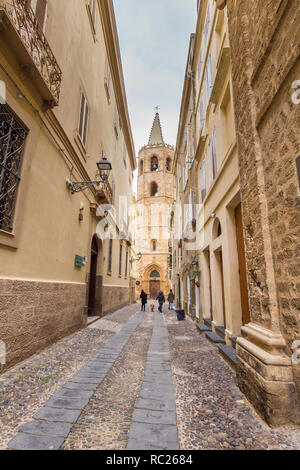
132,381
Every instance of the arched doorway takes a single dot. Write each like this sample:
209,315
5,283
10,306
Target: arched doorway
95,281
154,284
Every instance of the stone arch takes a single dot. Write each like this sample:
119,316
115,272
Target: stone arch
149,269
217,229
154,166
168,164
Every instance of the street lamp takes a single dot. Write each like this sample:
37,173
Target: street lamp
104,167
139,256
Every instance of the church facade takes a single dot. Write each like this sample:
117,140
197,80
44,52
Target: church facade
154,200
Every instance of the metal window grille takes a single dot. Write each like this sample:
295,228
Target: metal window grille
12,141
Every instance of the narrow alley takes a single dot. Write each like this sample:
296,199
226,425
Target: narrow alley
133,380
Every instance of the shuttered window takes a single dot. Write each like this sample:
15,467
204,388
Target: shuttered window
92,6
213,155
83,120
203,179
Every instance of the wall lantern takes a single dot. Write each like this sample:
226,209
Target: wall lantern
104,167
139,256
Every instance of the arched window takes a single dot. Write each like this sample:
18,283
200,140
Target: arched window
154,189
154,164
141,166
217,229
155,273
168,164
153,245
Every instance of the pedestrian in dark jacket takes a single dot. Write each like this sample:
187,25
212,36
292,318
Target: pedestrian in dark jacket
171,300
143,297
161,300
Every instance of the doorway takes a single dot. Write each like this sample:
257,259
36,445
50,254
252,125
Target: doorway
95,282
242,265
222,284
154,289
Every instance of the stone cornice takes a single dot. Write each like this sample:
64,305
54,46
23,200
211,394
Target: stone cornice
110,33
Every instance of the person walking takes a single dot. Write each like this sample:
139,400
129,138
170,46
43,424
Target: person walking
161,300
143,297
171,300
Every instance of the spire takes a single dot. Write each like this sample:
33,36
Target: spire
156,136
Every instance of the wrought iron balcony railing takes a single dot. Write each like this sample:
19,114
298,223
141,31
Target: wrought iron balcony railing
20,29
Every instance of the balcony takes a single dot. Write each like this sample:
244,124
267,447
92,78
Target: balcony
20,30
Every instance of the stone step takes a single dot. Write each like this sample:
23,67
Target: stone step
215,338
220,330
228,352
202,327
207,321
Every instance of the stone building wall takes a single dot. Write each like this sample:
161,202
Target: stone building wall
34,315
265,47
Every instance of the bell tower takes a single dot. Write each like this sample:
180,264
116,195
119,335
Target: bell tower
156,191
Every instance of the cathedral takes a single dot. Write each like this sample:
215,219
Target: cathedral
155,198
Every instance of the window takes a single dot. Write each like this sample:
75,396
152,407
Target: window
208,79
154,190
120,260
113,190
213,155
154,245
207,23
83,120
92,8
154,164
155,274
110,254
141,166
40,9
168,164
107,80
201,116
12,141
203,179
126,264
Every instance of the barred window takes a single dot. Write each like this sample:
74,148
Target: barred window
12,141
110,254
126,264
120,260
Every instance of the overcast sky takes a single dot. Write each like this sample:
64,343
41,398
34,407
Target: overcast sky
154,38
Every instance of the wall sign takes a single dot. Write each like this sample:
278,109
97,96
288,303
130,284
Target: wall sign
79,261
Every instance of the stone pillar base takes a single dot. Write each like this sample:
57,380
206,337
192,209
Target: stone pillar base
265,375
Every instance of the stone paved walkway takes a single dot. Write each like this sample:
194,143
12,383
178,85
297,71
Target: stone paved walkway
132,381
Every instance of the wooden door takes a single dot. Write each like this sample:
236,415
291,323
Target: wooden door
93,278
154,289
242,265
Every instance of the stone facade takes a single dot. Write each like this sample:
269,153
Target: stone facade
33,315
152,238
265,47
